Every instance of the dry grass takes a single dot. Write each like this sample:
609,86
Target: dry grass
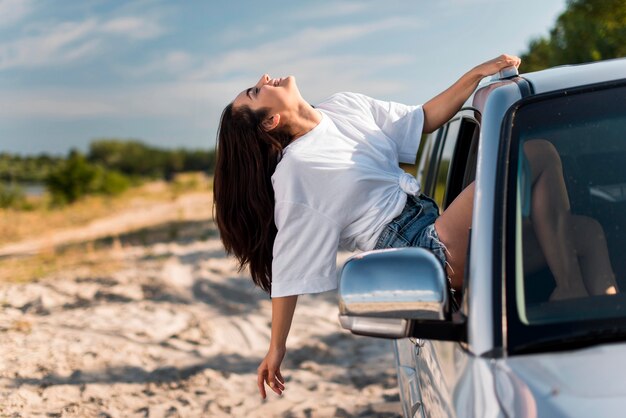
104,255
16,225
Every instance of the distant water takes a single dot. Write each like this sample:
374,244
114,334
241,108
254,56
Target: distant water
32,189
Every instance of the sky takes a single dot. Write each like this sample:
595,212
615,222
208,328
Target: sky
162,71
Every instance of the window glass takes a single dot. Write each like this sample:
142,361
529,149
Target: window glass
425,155
445,160
570,207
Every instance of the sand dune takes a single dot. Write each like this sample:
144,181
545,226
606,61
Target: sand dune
177,332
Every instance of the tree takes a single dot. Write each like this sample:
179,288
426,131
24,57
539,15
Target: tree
135,158
588,30
129,157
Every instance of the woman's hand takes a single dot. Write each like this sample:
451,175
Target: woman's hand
493,66
269,372
269,369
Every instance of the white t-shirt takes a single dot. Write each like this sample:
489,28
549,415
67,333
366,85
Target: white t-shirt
338,186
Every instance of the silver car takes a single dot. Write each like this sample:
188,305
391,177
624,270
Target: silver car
508,349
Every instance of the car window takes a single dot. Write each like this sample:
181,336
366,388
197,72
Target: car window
457,160
463,166
569,203
424,161
444,161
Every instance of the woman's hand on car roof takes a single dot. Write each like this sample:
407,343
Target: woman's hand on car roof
494,65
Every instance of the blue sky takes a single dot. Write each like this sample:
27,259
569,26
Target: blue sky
162,71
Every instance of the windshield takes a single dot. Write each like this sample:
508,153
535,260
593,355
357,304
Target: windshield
567,214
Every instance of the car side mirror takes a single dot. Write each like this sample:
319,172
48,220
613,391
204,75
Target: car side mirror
396,293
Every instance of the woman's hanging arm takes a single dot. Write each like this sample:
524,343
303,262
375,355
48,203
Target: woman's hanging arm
442,107
268,372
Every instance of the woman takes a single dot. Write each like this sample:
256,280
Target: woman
293,183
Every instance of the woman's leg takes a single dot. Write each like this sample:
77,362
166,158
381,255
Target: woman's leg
453,229
590,245
593,254
552,220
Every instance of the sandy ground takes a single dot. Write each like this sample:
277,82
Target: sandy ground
176,331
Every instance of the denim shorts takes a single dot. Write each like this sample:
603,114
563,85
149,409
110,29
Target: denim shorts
414,227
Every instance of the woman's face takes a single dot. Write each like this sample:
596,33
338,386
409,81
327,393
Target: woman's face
279,95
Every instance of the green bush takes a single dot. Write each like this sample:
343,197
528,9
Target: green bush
113,183
76,178
11,196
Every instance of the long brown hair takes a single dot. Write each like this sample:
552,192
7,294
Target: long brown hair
243,197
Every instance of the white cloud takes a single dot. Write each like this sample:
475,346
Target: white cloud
319,77
295,48
316,10
172,63
53,105
288,55
132,27
70,41
12,11
63,43
174,99
307,12
233,35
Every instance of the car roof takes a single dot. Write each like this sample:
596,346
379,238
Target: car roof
555,78
567,76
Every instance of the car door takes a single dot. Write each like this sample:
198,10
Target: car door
452,168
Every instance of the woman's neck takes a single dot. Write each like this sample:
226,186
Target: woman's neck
304,119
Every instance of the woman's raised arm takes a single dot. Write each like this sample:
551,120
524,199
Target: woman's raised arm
442,107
